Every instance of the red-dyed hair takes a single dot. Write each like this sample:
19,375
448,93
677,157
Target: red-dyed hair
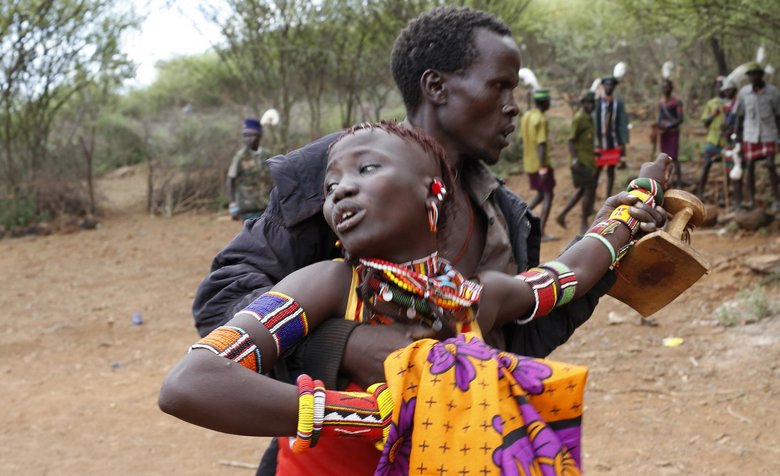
430,145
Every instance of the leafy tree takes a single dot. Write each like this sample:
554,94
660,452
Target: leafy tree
51,51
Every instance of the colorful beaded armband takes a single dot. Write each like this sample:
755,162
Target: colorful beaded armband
650,187
319,411
567,281
358,414
545,292
648,191
282,316
232,343
303,437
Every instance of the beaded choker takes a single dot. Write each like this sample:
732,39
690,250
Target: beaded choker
428,289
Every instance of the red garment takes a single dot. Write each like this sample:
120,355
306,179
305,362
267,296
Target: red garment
608,157
331,456
754,151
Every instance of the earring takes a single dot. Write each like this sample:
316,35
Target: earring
438,189
433,217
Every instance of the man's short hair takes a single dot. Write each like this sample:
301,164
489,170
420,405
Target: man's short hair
442,39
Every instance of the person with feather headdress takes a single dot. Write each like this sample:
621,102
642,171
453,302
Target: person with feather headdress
670,117
758,122
611,122
718,120
249,180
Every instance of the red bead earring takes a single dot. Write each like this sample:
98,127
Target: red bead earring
438,189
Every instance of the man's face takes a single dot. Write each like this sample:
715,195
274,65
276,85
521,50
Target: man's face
729,93
543,105
666,88
376,186
755,77
587,106
609,87
480,109
251,139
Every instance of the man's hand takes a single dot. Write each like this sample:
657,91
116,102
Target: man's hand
650,219
660,170
368,347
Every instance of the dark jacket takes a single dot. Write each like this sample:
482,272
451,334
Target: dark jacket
292,233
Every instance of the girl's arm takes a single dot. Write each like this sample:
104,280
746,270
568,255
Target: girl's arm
220,391
516,298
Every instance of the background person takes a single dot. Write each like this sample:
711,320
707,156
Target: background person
758,120
583,163
611,124
536,156
670,117
249,179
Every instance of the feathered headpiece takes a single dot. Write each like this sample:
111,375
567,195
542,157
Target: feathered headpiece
617,74
270,117
666,69
619,70
528,78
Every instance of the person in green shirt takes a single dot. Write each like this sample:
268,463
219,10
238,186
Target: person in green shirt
713,116
536,156
583,162
249,180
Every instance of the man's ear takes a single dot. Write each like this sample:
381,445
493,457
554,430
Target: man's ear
432,86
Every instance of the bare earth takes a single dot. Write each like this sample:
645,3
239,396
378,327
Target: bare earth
80,381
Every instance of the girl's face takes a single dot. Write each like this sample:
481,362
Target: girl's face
376,187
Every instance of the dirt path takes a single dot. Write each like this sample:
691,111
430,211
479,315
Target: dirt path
81,381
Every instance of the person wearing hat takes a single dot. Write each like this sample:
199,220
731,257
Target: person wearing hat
583,163
536,156
249,179
611,131
758,122
714,115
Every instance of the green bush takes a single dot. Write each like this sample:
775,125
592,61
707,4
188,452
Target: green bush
17,211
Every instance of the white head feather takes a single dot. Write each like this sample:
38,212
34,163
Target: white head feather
666,69
270,118
738,75
620,70
769,69
760,55
528,78
595,85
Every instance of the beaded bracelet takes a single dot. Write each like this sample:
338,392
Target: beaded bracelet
567,281
232,343
610,248
303,437
648,191
385,403
545,293
649,186
319,411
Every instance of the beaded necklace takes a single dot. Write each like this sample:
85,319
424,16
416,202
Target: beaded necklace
428,288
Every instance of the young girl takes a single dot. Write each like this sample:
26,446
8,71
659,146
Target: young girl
455,405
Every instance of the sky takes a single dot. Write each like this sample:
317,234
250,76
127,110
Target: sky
171,28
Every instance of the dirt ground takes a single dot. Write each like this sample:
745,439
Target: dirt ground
80,380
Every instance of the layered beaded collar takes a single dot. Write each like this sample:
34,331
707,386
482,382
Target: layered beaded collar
429,288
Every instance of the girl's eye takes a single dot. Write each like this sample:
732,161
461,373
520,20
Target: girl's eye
330,187
368,168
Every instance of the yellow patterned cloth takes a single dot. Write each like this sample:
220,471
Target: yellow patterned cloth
462,407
